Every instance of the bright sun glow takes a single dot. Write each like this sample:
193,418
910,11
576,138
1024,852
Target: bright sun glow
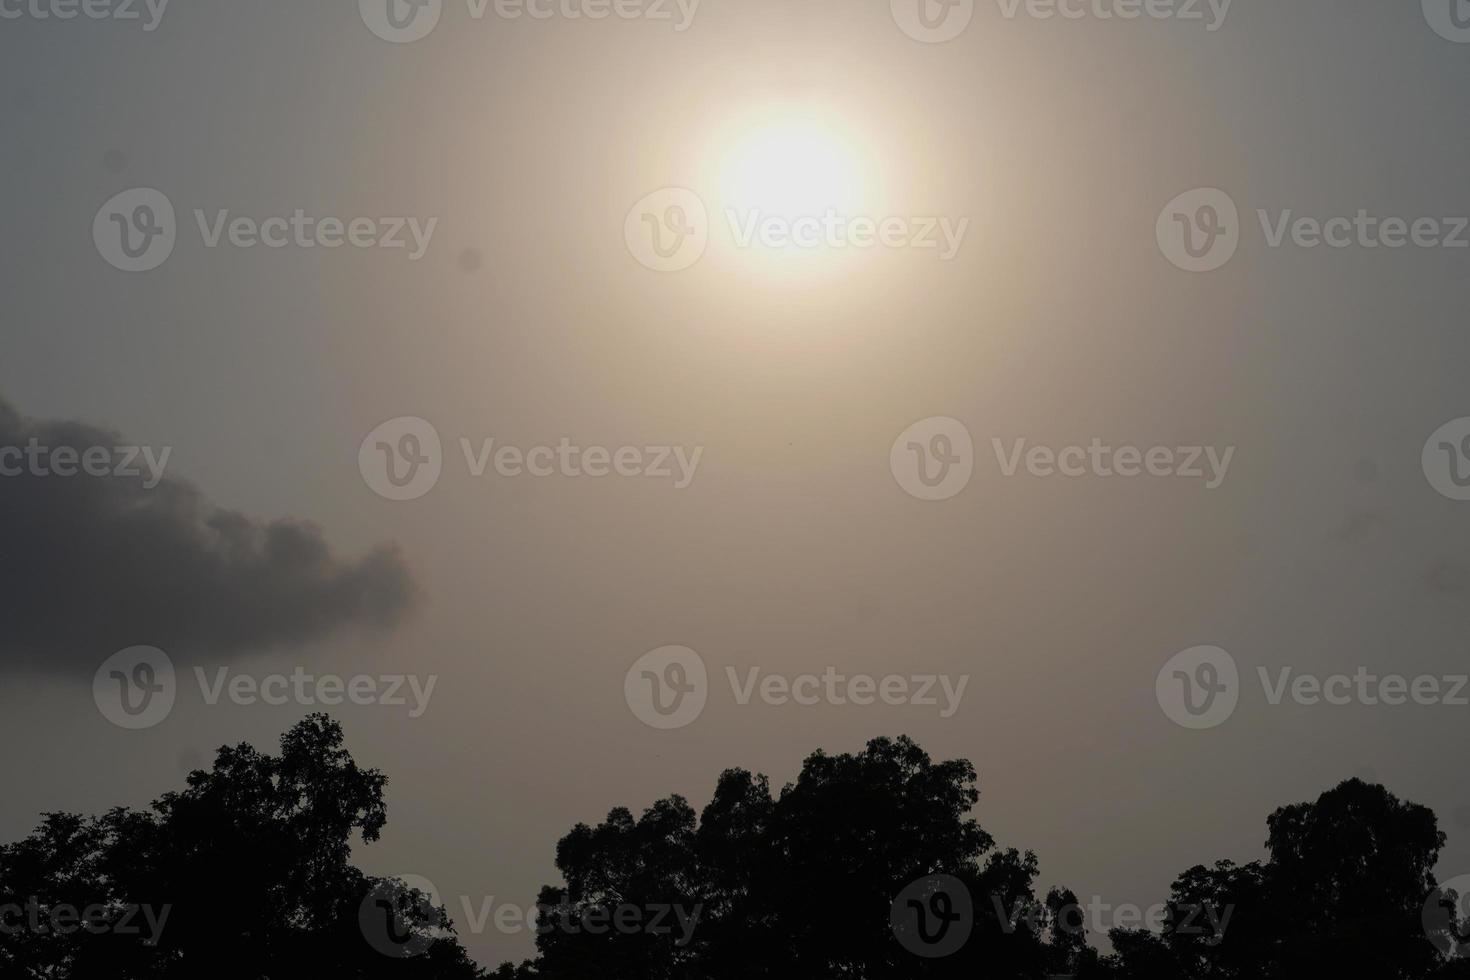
792,168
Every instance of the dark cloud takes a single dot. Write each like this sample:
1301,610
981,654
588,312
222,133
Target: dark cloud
97,563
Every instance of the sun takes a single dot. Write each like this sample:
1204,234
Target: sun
784,181
791,168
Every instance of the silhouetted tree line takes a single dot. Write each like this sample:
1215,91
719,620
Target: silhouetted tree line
249,863
865,867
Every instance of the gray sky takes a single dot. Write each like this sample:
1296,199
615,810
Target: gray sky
528,319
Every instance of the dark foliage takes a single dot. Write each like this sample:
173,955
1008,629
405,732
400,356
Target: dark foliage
245,874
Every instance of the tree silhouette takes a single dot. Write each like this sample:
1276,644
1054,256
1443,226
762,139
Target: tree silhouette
799,884
868,866
247,867
1343,893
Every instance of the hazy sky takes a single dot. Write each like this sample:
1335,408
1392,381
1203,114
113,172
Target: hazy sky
529,319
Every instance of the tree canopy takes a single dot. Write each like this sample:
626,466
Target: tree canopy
868,866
